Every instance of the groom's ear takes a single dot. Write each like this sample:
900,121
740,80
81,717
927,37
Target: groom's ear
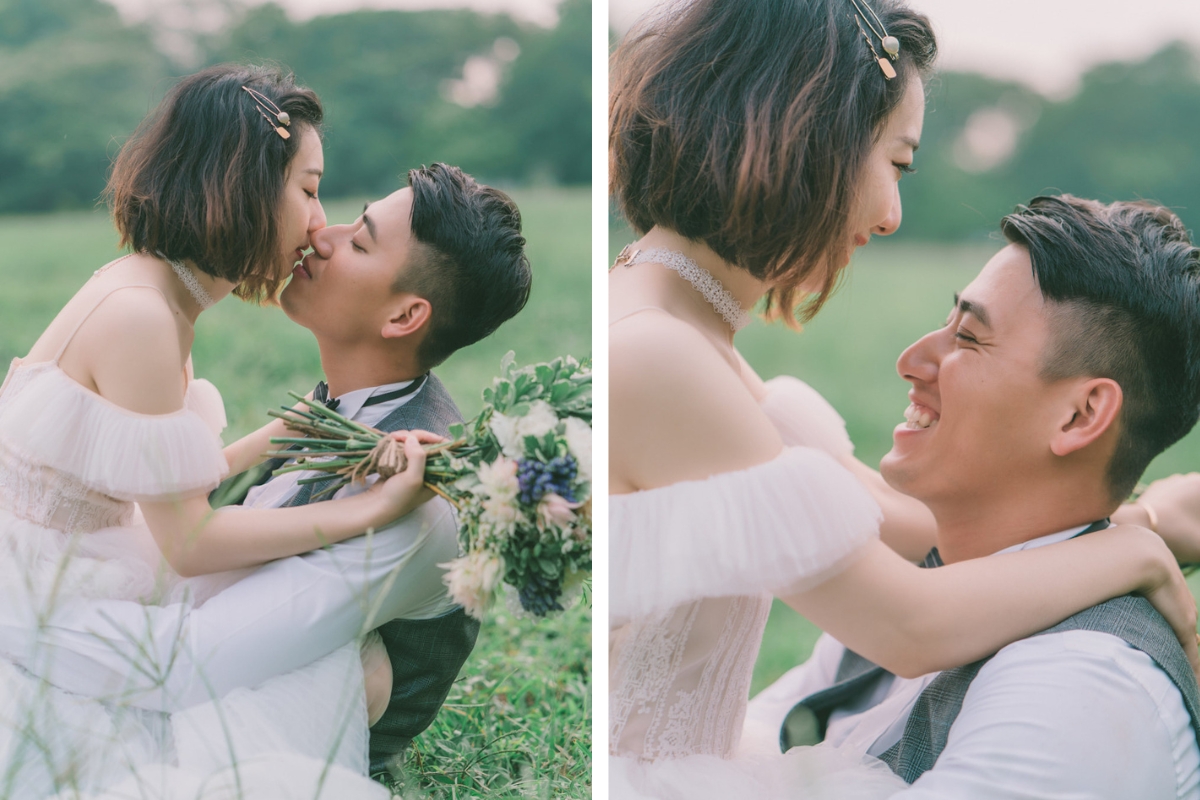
409,313
1093,412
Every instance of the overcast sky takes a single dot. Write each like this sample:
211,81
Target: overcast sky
1045,43
538,11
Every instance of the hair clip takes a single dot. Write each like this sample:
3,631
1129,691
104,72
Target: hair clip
891,45
261,101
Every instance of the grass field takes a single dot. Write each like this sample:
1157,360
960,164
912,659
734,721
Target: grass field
518,723
893,294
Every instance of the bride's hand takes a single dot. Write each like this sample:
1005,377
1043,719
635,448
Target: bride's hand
1168,591
404,491
1176,514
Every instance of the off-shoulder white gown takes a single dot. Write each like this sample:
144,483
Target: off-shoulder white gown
693,568
72,467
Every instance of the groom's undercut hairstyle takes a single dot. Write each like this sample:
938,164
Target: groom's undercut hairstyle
1122,281
747,125
468,259
202,177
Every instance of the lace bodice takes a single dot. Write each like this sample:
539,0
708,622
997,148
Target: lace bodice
74,462
693,569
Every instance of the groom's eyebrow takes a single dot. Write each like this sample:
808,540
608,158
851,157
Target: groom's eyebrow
974,309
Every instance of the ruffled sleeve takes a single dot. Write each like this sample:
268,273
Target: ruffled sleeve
804,418
787,524
205,400
53,421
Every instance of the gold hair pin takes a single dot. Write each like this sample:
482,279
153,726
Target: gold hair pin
890,44
261,101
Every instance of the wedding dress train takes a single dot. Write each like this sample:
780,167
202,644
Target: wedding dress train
72,466
693,568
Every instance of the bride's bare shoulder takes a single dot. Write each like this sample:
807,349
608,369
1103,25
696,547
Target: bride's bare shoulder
129,350
678,407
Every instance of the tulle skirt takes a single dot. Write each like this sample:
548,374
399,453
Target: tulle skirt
283,739
803,773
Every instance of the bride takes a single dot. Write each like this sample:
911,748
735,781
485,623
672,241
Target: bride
755,146
215,193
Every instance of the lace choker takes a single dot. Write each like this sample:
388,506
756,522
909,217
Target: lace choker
700,279
191,283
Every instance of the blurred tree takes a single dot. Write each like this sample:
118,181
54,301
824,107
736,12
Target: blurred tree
1129,132
380,75
547,102
74,81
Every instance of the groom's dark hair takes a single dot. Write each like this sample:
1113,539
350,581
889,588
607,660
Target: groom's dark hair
468,259
1122,282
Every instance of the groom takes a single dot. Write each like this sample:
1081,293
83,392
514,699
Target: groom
1065,367
423,272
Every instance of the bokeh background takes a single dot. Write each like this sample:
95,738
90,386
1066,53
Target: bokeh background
1099,98
500,87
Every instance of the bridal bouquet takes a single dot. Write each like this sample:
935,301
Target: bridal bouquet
519,475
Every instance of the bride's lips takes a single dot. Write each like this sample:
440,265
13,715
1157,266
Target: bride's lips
301,269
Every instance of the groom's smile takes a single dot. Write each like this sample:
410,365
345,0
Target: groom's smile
980,411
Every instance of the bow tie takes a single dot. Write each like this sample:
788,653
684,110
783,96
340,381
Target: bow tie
321,394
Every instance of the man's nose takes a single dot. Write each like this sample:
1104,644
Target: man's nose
322,240
920,360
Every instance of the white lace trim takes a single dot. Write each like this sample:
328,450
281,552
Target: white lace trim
191,283
700,279
680,679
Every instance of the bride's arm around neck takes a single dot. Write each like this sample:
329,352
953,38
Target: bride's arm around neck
678,409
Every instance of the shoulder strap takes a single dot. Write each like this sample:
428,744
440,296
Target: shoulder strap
637,310
63,348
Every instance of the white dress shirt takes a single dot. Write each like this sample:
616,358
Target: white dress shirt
276,492
273,619
1076,714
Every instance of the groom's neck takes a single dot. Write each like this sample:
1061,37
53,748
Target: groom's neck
349,368
976,526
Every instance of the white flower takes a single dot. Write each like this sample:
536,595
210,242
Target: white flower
505,429
579,441
499,479
500,513
511,431
472,580
540,420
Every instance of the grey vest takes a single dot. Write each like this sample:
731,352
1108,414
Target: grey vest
426,654
1132,619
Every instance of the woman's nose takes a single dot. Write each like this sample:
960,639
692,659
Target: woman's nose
317,219
891,222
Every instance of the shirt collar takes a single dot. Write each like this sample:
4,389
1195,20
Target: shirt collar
350,404
1042,541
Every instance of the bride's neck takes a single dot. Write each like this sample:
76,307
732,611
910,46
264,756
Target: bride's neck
746,289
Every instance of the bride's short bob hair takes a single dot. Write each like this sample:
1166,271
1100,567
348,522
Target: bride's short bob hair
202,177
746,125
